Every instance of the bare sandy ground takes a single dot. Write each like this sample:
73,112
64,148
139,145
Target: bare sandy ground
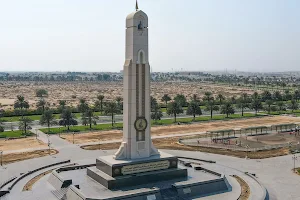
181,129
26,143
111,90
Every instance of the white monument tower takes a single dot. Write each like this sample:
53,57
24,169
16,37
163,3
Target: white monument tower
137,141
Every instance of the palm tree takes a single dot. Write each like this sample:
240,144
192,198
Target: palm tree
280,105
256,105
21,104
195,98
82,106
208,97
119,103
269,104
111,109
99,103
297,95
277,96
266,95
89,118
194,109
62,105
294,105
48,118
165,99
41,105
221,98
227,108
174,108
24,124
67,118
243,102
211,106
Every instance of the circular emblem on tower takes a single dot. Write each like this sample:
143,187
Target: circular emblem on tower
140,124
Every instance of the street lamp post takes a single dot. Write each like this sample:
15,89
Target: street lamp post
73,137
294,159
49,144
1,155
247,151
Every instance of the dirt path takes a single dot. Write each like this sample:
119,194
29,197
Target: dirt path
172,144
180,129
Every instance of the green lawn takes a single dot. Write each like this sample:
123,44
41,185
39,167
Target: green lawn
37,117
161,122
296,112
16,133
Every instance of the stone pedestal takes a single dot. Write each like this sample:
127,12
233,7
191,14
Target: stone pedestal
115,174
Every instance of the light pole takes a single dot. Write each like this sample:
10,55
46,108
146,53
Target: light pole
247,151
49,144
1,155
73,137
294,159
59,132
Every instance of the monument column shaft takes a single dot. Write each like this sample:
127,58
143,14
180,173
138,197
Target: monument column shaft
137,123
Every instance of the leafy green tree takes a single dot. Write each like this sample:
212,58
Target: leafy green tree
256,105
180,98
242,102
25,124
99,103
41,93
111,109
166,98
89,118
294,105
156,113
194,109
48,118
67,118
174,108
269,105
21,104
62,105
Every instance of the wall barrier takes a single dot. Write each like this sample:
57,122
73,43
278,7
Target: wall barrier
38,169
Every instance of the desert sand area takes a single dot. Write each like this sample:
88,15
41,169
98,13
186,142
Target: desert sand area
73,91
24,143
181,129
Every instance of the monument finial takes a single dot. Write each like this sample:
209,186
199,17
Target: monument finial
136,6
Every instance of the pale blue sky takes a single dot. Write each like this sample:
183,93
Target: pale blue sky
89,35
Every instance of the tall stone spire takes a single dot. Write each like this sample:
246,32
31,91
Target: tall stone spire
136,6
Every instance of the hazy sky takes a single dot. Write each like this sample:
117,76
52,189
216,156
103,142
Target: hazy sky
89,35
